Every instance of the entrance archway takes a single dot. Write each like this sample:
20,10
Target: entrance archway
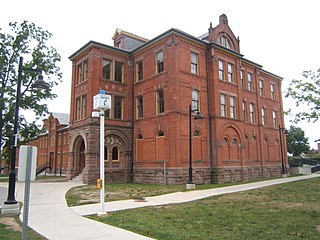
79,162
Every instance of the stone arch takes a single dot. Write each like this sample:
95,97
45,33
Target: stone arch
78,153
231,140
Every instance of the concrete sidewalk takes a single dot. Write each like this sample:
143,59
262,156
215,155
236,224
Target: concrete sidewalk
182,197
51,217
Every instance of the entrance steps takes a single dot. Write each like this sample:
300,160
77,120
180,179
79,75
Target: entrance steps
78,178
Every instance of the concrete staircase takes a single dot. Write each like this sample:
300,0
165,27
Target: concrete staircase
78,178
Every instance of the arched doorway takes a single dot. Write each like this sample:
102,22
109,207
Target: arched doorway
82,159
79,161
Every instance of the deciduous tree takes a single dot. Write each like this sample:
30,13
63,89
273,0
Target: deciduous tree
306,94
297,143
31,42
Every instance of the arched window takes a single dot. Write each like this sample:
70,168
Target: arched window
254,138
106,154
225,141
160,133
235,141
225,42
196,133
115,154
139,136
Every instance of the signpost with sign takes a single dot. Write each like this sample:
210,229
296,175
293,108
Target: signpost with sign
101,102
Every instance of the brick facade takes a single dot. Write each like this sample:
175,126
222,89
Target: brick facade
152,85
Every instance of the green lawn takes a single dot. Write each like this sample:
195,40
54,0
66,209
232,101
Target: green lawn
286,211
11,229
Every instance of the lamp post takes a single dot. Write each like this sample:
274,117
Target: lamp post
284,171
11,206
198,116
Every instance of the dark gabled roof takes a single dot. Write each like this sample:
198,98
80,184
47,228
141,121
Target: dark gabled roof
100,45
170,31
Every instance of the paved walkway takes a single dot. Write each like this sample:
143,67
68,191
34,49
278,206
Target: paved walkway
51,217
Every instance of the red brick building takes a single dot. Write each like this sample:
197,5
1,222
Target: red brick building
53,144
152,83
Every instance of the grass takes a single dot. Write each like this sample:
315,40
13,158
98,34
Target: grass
120,191
286,211
10,229
90,194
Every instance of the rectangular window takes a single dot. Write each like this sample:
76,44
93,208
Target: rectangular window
242,78
106,69
244,111
250,86
85,70
118,72
274,118
232,107
221,70
230,72
79,79
223,105
273,96
139,72
252,119
261,87
139,107
160,101
117,107
81,107
194,63
84,107
263,116
159,61
195,100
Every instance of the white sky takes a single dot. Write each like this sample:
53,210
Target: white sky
282,36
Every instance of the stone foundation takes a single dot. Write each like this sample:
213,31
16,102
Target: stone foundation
203,175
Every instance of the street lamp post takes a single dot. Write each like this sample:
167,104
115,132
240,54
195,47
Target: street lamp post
11,206
283,171
198,116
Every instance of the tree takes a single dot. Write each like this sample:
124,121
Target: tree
306,91
28,41
297,143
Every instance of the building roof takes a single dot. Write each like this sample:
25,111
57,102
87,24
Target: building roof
63,118
122,32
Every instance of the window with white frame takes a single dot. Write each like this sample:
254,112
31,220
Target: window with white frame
261,90
251,113
230,72
195,100
263,116
194,63
273,96
232,107
250,84
274,118
159,62
244,111
242,78
221,70
223,106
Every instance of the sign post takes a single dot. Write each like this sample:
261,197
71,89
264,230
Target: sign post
101,102
27,173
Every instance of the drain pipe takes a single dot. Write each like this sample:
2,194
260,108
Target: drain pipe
209,117
132,124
